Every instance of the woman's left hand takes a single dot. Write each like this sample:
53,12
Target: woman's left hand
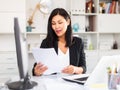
72,70
69,69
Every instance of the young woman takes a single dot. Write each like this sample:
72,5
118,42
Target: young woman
70,49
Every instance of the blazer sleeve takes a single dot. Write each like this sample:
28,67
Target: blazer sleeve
33,69
82,58
77,54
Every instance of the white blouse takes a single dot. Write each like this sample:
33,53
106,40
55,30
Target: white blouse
63,58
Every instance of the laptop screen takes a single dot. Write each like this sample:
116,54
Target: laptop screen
99,74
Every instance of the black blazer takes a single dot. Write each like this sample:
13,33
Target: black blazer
76,50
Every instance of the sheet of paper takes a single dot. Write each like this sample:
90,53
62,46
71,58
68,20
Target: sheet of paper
49,58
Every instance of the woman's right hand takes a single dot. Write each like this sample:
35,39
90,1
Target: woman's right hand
39,69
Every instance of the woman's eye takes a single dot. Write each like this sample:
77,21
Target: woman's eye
60,22
53,23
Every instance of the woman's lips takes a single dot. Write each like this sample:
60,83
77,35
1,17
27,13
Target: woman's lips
58,31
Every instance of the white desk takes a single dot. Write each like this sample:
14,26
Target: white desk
55,82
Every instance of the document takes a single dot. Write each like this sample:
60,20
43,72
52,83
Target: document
49,58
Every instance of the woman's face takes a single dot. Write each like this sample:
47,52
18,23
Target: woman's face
59,25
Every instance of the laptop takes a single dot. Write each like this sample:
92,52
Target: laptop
81,79
98,75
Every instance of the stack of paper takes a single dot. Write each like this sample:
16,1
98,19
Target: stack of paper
49,58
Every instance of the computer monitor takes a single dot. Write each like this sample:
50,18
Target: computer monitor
22,61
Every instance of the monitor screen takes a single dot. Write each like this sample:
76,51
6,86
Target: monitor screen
22,61
21,50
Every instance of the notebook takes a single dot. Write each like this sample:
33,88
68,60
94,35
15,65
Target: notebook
98,75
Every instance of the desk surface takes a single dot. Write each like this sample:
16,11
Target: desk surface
55,82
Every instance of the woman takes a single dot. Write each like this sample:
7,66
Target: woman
59,37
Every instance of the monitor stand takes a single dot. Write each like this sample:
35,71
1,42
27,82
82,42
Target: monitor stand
22,85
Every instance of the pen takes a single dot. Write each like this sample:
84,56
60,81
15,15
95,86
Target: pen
50,74
115,69
118,68
109,70
53,73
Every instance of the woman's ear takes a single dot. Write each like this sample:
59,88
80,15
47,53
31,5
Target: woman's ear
68,21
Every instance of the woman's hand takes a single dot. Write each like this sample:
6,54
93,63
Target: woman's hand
72,70
39,69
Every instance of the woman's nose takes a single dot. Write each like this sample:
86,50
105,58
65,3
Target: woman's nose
57,26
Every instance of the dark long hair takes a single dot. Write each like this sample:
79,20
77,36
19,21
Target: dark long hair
51,36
